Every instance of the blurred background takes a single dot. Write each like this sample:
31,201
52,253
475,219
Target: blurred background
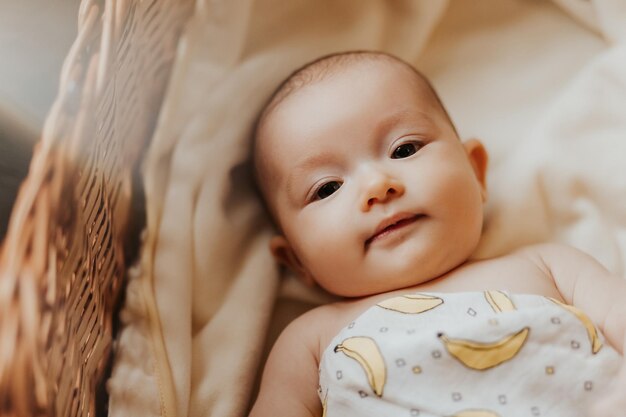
35,36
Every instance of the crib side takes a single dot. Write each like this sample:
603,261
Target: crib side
63,261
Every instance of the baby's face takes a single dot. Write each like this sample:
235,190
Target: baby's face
371,186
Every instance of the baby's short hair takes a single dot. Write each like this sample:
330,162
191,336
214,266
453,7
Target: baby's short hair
327,65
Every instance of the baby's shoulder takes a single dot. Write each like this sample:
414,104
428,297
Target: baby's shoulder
318,326
555,260
546,254
563,260
543,247
308,325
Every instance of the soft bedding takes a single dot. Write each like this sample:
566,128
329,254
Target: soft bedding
542,84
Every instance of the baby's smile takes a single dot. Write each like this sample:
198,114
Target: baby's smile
393,228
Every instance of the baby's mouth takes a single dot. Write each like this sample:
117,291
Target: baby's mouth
392,224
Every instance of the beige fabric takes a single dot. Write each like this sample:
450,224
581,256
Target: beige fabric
133,386
542,89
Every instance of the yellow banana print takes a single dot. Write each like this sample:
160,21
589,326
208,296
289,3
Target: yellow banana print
411,303
481,356
499,301
365,351
324,405
475,413
596,343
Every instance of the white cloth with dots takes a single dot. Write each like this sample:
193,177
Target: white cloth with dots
466,354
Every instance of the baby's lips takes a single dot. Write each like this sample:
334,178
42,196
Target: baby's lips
393,222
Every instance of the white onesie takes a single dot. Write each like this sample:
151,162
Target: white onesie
466,354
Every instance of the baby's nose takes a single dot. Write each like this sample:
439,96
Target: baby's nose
381,188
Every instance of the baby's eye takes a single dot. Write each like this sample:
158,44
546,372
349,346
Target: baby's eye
405,150
327,189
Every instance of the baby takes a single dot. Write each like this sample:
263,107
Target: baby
376,199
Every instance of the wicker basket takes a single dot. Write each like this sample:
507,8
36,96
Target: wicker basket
64,259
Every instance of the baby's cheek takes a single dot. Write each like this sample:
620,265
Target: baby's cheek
332,248
329,242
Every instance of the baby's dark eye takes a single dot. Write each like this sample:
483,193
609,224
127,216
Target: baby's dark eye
405,150
327,189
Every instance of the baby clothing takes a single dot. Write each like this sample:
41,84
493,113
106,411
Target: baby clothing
467,354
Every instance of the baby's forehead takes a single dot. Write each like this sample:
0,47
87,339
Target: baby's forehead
301,97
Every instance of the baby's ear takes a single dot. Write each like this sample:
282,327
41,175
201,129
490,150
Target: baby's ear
285,255
479,159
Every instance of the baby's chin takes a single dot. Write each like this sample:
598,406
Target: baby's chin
373,281
359,289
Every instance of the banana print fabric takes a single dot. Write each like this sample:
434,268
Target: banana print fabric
466,354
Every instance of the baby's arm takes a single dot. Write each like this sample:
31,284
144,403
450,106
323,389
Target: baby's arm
290,379
586,284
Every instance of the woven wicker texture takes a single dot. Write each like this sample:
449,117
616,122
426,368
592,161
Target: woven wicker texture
62,264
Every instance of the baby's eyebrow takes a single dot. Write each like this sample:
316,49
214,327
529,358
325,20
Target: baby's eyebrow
389,122
411,116
310,162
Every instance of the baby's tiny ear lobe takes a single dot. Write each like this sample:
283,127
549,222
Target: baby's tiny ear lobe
285,255
479,158
280,249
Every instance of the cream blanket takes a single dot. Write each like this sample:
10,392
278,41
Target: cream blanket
543,85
